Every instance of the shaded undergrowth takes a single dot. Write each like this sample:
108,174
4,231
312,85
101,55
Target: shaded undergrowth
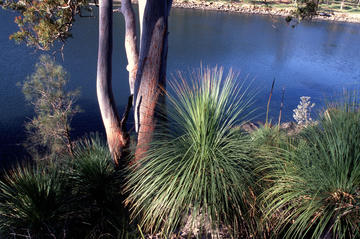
77,197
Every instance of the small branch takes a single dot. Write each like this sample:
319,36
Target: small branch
69,142
126,114
81,15
131,48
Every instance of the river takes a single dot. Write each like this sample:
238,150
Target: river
315,59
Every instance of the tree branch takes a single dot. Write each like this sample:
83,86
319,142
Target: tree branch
126,114
131,48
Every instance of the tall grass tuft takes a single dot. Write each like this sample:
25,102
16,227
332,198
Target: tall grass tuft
93,174
316,189
198,168
267,136
31,202
96,186
78,197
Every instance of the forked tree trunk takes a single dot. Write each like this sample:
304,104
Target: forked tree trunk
147,72
116,137
151,73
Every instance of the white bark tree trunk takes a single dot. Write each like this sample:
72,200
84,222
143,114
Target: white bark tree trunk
131,48
141,4
117,139
147,71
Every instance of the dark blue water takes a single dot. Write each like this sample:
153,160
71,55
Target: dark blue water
315,59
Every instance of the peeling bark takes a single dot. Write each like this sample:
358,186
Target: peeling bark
117,139
151,74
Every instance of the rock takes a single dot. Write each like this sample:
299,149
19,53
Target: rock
249,127
324,14
291,128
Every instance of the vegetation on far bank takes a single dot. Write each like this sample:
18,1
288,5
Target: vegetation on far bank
346,6
347,11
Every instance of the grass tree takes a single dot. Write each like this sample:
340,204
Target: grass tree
197,169
76,198
95,186
32,201
316,188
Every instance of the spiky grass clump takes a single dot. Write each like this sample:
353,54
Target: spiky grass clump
198,168
316,190
97,208
94,175
77,197
267,136
96,186
31,202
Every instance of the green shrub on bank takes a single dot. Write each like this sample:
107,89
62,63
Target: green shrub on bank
76,197
270,136
32,201
197,173
316,190
93,174
96,186
49,131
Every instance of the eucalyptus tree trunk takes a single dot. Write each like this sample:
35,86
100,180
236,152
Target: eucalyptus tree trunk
131,48
116,137
151,74
147,71
316,4
141,4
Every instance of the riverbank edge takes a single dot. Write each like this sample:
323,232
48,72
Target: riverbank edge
262,10
254,9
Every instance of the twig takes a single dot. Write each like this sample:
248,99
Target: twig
126,114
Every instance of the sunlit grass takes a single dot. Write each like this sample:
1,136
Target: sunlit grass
316,187
198,168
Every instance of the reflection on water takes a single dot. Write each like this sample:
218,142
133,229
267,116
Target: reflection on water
314,59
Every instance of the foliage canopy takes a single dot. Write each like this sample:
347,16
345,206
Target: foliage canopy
42,23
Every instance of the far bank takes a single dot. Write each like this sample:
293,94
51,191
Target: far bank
283,8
